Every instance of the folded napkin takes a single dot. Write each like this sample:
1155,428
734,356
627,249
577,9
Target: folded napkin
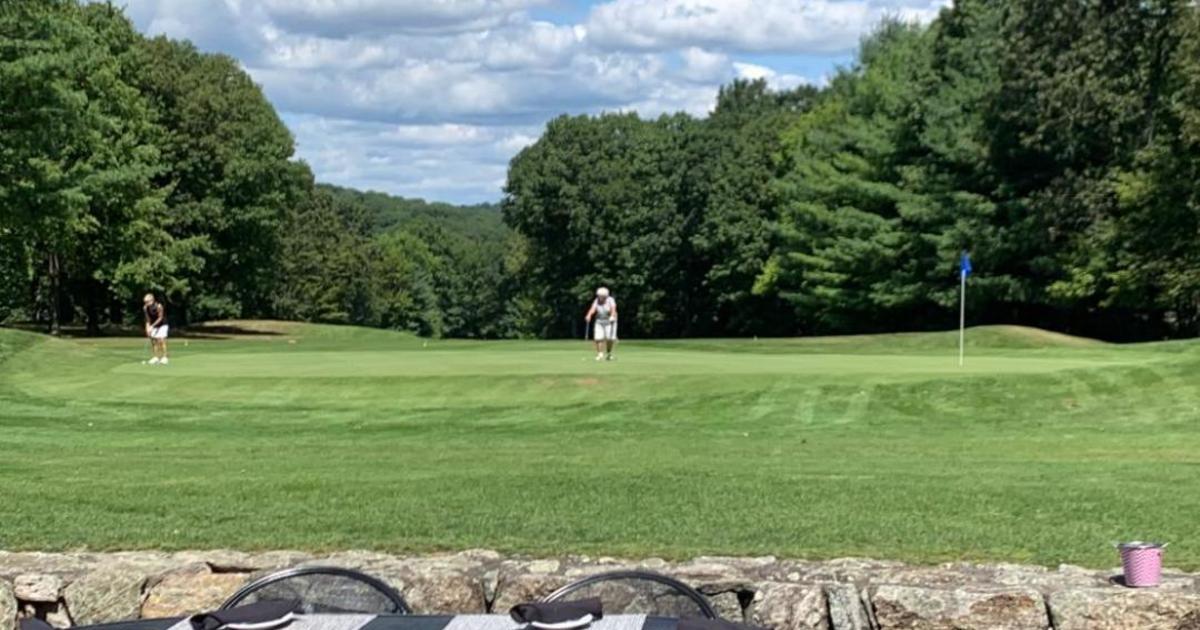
264,612
557,612
690,623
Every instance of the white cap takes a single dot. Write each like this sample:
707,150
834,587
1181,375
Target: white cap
602,292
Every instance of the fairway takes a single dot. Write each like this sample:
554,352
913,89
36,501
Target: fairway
499,360
1042,448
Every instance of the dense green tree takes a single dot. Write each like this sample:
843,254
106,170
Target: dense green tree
1085,85
949,164
130,164
1145,256
598,200
1024,131
740,161
78,159
408,276
325,266
851,224
15,274
448,270
231,181
432,270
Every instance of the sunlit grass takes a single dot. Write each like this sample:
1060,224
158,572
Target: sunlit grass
1042,449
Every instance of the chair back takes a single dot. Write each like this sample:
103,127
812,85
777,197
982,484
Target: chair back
638,593
324,590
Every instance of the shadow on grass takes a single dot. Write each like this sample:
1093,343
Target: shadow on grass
225,331
198,331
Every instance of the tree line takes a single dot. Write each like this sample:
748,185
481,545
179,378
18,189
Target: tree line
1058,142
130,164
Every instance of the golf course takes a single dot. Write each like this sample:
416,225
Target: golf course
1042,448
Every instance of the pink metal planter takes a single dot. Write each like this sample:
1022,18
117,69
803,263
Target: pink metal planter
1142,562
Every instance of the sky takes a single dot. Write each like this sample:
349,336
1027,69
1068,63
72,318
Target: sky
432,98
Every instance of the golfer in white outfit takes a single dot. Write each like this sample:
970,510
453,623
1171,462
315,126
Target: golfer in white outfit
604,331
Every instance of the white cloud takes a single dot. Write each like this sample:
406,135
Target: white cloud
806,26
224,26
703,66
340,18
457,162
439,135
774,79
416,90
433,97
669,99
514,142
752,71
536,45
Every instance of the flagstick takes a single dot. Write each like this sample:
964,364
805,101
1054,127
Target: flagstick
962,317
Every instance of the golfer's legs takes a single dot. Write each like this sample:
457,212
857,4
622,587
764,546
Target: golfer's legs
158,340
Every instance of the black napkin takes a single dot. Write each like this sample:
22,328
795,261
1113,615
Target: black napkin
258,612
692,623
33,623
557,612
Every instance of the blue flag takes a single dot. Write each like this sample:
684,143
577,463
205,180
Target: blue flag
965,264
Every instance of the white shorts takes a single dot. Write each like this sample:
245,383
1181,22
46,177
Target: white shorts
605,331
160,332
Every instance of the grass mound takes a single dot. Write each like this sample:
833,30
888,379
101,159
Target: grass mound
248,329
981,337
1027,337
14,341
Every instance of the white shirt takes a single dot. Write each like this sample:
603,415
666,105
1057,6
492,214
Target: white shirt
604,309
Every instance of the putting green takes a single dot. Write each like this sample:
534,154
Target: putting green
515,358
1042,448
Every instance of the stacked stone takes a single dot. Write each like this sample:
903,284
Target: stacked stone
847,594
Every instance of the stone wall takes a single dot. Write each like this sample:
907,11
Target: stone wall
848,594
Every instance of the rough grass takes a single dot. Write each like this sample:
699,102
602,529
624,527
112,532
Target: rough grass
1043,449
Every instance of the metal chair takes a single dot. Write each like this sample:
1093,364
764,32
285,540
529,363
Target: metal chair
324,590
638,592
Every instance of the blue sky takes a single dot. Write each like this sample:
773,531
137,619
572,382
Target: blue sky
431,98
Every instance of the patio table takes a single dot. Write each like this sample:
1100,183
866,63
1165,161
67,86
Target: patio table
403,622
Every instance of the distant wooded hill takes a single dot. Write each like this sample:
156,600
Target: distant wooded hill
388,211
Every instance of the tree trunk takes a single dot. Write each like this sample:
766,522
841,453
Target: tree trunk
35,298
55,293
92,308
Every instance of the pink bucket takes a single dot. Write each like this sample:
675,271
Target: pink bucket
1142,562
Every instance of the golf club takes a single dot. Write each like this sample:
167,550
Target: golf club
587,327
